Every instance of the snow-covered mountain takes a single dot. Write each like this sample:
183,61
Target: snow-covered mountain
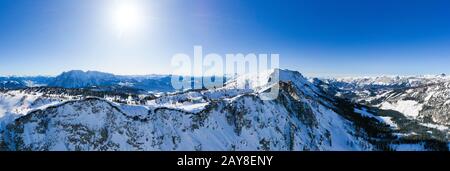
79,79
390,81
423,100
90,79
219,119
304,116
424,97
15,82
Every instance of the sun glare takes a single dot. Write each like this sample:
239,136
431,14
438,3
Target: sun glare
127,18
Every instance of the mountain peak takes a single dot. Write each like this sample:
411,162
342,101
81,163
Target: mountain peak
263,80
79,78
87,73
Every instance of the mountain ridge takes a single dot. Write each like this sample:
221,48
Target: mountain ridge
306,115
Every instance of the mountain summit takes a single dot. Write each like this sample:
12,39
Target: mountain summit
80,79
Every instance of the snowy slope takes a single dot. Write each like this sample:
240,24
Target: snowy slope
417,107
220,119
304,116
422,97
17,103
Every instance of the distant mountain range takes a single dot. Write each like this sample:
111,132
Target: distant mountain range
90,79
426,98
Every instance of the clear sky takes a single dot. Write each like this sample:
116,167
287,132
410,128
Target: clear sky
315,37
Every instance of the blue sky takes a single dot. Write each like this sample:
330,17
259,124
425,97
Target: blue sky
315,37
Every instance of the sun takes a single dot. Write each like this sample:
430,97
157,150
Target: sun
127,17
